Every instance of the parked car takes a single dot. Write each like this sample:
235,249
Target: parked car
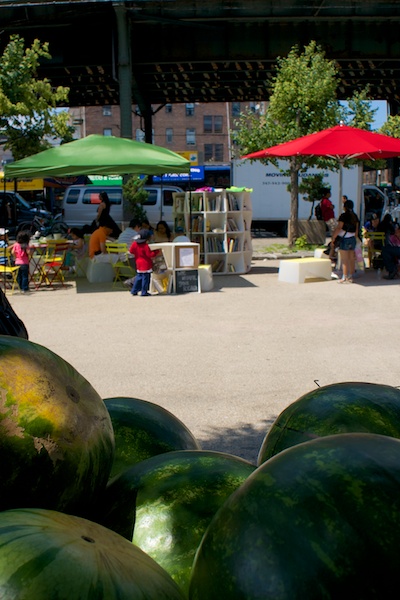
81,201
15,210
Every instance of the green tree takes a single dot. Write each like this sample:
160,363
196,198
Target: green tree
28,119
312,189
392,126
134,195
303,100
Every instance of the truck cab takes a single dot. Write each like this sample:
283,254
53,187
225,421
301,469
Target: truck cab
374,201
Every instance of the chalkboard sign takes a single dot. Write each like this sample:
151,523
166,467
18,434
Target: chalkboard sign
186,281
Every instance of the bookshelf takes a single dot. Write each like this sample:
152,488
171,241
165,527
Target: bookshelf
220,222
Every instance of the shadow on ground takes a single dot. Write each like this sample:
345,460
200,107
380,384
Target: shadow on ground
244,441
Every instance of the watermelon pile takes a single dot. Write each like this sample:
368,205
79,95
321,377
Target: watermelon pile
114,498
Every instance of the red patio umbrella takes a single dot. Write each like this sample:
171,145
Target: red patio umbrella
340,142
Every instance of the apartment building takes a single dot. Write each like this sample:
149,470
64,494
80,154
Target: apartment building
202,132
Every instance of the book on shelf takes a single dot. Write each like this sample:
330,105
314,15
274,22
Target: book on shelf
197,201
179,202
214,203
233,204
233,244
230,268
179,222
215,244
218,266
197,223
231,225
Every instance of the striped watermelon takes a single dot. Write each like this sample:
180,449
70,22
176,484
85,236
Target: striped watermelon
338,408
48,555
170,500
318,520
143,429
56,437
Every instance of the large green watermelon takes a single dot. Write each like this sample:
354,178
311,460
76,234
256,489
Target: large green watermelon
337,408
170,499
143,429
56,437
318,520
48,555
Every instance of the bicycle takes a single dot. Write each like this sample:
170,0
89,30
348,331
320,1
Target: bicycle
40,227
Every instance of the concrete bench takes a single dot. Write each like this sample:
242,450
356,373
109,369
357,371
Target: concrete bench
297,270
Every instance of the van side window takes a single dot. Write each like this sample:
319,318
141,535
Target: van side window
90,197
168,198
72,196
93,197
152,198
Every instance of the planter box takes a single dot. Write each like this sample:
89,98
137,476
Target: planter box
314,230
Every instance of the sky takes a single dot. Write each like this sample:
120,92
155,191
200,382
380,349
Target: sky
381,114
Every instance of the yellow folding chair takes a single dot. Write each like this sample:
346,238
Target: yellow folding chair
53,267
120,261
373,242
8,271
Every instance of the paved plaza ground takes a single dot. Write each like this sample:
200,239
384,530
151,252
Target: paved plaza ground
225,362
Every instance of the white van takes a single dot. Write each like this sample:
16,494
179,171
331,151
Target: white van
80,204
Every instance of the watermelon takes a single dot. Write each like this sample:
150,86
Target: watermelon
318,520
56,437
338,408
47,555
170,499
143,429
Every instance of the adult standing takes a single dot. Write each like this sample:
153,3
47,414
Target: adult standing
103,215
328,215
347,230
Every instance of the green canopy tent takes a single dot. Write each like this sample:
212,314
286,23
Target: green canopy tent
99,155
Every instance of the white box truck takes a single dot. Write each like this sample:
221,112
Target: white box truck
271,199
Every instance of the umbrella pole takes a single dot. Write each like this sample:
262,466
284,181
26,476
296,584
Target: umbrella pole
340,184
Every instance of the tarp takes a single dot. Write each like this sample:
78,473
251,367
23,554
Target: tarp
99,155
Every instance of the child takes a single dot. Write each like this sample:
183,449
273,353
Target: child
21,251
3,246
144,263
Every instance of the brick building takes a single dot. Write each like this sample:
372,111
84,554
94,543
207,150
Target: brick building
201,131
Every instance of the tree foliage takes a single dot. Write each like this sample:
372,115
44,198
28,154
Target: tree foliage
303,100
28,119
134,194
392,126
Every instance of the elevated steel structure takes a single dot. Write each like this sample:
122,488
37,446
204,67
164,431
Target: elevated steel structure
153,52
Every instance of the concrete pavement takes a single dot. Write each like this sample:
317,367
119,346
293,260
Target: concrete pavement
225,362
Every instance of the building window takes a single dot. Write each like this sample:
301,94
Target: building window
208,152
140,136
213,152
235,109
169,135
191,137
212,124
107,131
189,109
219,152
207,123
107,111
168,108
218,124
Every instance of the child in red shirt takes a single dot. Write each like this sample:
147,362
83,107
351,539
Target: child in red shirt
144,263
